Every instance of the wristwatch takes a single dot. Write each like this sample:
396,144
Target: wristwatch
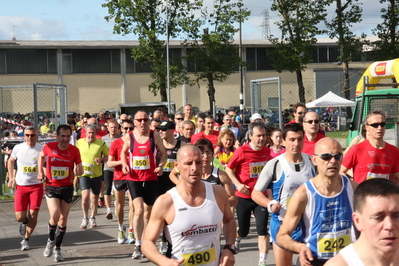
231,247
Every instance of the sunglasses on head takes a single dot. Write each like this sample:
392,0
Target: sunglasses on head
142,119
327,156
30,135
128,128
376,125
311,121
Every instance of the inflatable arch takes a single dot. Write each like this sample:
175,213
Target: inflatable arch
377,71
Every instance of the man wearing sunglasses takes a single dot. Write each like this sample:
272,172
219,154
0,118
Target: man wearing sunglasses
323,207
373,158
299,112
142,168
311,125
283,175
120,184
29,189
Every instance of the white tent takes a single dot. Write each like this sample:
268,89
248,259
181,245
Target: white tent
330,99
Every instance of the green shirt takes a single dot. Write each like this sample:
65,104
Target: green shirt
88,152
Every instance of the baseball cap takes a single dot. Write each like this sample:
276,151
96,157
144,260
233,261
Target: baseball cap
255,116
166,125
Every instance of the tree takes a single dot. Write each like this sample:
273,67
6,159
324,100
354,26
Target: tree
387,46
298,25
346,14
211,54
146,19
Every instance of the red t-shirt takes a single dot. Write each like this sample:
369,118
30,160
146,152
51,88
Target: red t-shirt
212,137
368,162
291,122
115,151
248,164
142,161
60,164
308,146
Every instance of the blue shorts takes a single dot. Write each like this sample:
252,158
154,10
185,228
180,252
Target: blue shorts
274,226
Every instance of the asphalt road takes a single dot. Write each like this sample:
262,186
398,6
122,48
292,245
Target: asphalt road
87,247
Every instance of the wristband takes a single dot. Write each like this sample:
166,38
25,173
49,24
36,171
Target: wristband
269,206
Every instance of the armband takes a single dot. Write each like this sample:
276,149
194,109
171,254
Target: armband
269,206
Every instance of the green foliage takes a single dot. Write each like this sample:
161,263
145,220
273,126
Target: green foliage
387,46
299,31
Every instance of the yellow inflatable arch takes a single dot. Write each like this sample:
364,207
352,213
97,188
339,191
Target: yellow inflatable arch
377,71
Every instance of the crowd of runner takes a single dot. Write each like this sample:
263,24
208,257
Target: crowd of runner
186,177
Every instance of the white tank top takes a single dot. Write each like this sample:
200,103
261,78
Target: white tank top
195,231
350,256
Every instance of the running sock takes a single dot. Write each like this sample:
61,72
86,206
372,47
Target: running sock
26,239
262,257
130,229
138,242
60,236
120,226
109,210
26,220
51,231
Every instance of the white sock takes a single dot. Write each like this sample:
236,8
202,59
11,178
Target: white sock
262,257
120,227
109,210
138,242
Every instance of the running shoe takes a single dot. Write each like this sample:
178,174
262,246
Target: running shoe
130,238
84,223
163,248
75,192
92,222
262,263
49,248
109,215
101,202
237,243
121,235
25,245
22,229
137,254
57,255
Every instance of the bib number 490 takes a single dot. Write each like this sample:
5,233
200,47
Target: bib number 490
199,258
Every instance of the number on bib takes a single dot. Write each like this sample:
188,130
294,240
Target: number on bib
29,169
329,245
199,258
255,169
141,162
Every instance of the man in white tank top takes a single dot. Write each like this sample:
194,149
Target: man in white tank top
193,214
376,216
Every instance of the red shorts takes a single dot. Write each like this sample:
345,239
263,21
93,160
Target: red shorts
28,195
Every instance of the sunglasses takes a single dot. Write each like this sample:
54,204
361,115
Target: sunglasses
128,128
30,135
311,121
376,125
327,156
179,118
142,119
301,113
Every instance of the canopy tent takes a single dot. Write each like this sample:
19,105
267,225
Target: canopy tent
330,99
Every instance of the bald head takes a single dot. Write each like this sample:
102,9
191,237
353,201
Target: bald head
185,149
327,145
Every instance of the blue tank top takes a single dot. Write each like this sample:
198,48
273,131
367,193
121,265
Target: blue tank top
327,221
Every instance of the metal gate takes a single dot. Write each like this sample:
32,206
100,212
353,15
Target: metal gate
266,99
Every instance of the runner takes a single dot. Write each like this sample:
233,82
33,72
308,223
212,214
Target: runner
62,159
29,189
193,215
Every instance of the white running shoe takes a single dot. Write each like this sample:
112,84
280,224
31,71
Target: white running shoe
130,238
121,235
84,223
49,248
92,222
137,254
25,245
57,255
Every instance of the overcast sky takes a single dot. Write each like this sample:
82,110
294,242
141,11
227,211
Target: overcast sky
84,20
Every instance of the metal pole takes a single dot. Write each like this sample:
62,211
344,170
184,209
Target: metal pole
241,74
167,58
35,116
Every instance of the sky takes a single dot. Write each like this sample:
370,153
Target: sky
84,20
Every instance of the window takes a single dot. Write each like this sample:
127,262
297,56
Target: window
28,61
95,61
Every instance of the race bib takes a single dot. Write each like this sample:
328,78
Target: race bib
87,168
255,169
329,244
169,165
372,175
58,173
141,162
201,255
29,170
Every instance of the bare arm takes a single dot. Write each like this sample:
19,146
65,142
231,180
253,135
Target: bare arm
162,151
226,182
10,167
125,148
295,210
240,187
112,163
40,164
154,228
78,169
173,176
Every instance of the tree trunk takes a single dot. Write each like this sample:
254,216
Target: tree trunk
164,95
301,88
211,92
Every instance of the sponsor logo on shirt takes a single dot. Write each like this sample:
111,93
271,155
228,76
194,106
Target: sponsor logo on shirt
200,230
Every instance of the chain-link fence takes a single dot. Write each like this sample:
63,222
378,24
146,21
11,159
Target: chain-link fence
21,105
